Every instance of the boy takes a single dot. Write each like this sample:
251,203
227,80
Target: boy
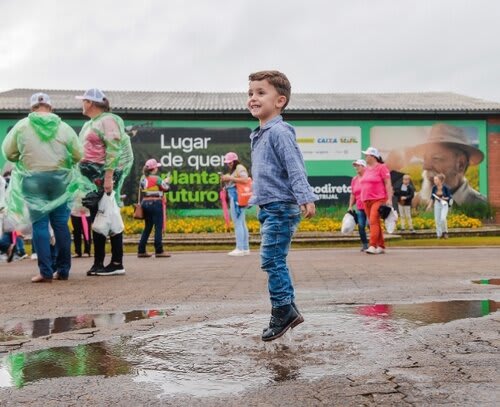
280,189
405,194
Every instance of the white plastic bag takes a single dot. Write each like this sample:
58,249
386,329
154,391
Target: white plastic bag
109,219
391,220
115,222
348,223
102,223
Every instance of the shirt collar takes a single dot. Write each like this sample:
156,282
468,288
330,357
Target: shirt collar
266,126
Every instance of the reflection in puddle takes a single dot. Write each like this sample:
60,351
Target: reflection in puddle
47,326
19,369
430,312
492,281
228,356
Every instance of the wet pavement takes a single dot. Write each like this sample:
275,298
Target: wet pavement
411,327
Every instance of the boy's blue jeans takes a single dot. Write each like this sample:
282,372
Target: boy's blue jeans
278,223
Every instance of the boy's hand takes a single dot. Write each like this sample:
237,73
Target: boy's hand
308,210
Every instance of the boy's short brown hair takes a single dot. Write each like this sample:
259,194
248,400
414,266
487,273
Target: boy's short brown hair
277,79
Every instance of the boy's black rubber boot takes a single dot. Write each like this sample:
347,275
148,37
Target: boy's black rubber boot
294,324
282,318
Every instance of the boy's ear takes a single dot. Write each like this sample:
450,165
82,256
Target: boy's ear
281,101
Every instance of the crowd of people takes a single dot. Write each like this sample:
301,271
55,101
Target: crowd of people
372,188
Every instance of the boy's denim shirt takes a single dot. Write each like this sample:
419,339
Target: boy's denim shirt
278,169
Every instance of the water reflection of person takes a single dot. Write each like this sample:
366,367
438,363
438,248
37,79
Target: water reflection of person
449,151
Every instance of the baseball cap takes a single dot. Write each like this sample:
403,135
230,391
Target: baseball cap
38,98
372,151
230,157
94,95
151,164
359,162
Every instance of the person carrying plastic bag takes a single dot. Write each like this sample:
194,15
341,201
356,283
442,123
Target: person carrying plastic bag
107,159
44,180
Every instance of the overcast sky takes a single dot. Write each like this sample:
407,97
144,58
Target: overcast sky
340,46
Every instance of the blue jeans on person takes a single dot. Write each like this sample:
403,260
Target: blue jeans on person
153,216
362,227
240,226
278,223
48,188
5,241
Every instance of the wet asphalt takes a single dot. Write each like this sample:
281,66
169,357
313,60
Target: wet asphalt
409,327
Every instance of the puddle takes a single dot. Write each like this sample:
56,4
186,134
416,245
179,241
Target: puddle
18,329
19,369
228,356
430,312
492,281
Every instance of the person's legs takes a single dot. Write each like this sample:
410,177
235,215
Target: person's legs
20,249
362,228
234,218
59,222
148,226
240,227
376,234
402,215
115,267
158,223
117,248
437,218
41,239
278,224
76,222
407,215
87,242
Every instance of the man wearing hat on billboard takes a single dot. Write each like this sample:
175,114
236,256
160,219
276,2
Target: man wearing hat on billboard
448,150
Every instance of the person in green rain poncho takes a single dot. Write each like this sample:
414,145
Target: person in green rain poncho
45,152
107,159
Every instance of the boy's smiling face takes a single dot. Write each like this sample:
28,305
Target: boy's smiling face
264,102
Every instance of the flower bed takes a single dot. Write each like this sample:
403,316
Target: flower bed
316,224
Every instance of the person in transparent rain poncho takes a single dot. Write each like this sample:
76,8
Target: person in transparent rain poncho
107,159
44,179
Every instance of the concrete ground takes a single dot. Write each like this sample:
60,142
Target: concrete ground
403,328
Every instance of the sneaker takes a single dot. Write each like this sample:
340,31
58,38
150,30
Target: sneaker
371,250
112,270
379,250
24,256
237,252
94,269
34,256
246,252
143,255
